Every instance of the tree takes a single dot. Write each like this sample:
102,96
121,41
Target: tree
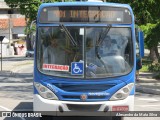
147,16
26,7
146,12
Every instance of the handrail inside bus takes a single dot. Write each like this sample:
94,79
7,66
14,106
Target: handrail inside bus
68,34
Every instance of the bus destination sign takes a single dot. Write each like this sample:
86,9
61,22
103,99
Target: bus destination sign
85,14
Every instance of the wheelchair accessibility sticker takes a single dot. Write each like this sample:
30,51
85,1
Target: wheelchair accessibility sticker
77,68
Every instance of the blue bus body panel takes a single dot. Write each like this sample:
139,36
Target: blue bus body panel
141,43
70,89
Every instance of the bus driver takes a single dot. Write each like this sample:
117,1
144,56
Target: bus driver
109,46
53,54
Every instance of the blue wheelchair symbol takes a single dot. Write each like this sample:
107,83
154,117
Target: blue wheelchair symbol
77,68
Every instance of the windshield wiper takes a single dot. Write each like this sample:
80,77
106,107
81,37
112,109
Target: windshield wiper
101,39
103,35
98,43
68,35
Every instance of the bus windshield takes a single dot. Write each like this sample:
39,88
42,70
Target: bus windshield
105,52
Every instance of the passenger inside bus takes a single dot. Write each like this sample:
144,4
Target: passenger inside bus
109,47
58,48
94,65
111,55
53,49
52,52
105,61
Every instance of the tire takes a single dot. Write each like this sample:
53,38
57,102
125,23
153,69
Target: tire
117,118
45,117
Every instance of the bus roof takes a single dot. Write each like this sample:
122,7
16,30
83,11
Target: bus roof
85,4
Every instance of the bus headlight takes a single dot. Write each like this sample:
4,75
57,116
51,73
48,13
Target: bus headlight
45,92
123,92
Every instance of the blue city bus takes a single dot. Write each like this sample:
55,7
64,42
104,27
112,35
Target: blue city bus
85,57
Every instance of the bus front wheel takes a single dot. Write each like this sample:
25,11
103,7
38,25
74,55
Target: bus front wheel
45,117
117,118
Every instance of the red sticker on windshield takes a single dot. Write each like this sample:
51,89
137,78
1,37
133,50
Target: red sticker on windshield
55,67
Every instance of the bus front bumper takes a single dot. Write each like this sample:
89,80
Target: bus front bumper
71,108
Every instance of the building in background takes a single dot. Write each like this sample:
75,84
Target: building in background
12,25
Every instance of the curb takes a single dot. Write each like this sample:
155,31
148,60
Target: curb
13,72
147,90
6,73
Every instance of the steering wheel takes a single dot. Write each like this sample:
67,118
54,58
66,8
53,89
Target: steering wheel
92,70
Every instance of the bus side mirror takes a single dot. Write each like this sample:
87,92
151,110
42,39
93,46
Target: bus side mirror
141,43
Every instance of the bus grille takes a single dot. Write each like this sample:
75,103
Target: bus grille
84,87
84,108
77,97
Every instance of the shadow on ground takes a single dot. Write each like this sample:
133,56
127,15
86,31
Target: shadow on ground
148,78
22,58
18,86
10,77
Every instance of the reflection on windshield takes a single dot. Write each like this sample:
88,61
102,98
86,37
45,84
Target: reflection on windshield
57,55
113,56
56,50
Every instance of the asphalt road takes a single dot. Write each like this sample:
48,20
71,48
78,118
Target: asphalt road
16,94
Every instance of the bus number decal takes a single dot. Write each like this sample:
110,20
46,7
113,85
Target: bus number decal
52,88
55,67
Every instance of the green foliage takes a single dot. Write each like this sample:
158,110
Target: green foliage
152,36
29,30
145,64
155,66
27,7
145,11
145,68
146,16
50,1
147,29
